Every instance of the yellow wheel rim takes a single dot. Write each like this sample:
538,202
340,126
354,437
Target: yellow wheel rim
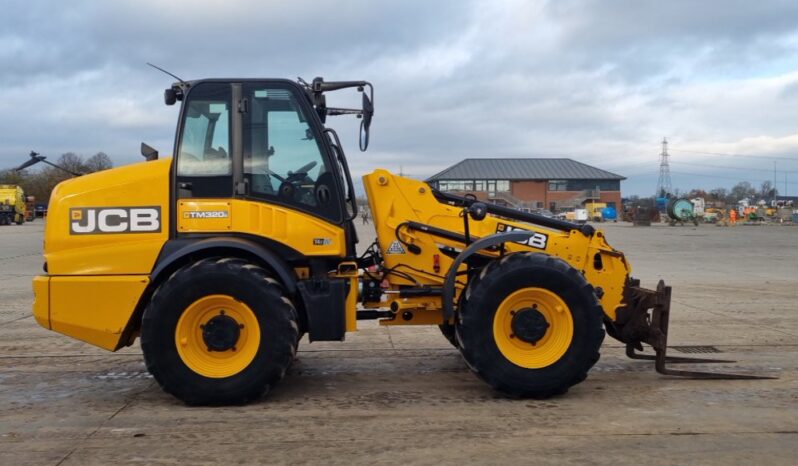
551,346
193,348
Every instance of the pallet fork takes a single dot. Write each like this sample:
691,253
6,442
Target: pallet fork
646,320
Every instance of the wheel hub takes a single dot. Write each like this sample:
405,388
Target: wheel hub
221,333
529,325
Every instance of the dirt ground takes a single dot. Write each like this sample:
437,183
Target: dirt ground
403,395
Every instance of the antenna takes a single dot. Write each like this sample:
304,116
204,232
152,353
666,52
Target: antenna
664,182
164,71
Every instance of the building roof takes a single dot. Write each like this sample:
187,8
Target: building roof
523,169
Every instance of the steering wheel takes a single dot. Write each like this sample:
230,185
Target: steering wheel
291,184
295,176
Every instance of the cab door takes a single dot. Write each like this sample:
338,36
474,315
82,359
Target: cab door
285,160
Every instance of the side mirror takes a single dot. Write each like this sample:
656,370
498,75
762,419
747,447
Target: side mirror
365,123
148,152
169,96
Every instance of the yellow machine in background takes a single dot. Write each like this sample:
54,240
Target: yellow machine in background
594,211
221,258
12,204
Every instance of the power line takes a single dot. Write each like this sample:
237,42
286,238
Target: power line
701,175
760,157
726,167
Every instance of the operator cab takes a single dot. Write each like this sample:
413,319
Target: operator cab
264,141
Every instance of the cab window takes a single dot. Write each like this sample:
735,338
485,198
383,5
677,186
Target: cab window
205,143
283,160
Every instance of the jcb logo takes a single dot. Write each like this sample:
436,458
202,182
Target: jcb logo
537,240
88,220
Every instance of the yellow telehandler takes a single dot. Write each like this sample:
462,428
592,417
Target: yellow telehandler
222,257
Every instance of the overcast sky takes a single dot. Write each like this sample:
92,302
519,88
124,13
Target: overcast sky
601,82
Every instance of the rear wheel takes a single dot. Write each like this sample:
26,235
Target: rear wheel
530,325
220,331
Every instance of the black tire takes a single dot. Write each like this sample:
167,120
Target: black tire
489,289
448,331
245,282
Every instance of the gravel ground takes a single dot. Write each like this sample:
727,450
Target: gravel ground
403,395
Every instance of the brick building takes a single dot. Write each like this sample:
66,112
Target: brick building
531,183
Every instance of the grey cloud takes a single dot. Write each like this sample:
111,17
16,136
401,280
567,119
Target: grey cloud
599,81
248,37
644,39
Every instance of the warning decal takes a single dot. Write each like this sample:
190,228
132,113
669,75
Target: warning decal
395,248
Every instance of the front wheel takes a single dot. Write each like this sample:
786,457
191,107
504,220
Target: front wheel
448,332
219,331
530,325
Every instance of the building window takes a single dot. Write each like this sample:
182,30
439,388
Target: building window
558,185
474,185
456,185
594,185
540,205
